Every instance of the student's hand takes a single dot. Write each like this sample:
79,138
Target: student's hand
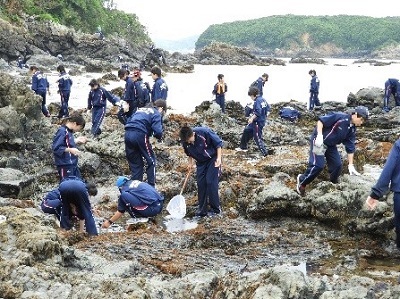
352,170
81,139
371,203
74,151
106,224
218,162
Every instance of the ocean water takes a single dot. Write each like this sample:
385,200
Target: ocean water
338,78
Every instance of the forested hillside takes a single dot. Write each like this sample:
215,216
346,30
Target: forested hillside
82,15
350,33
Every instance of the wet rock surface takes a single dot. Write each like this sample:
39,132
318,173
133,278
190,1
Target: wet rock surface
269,243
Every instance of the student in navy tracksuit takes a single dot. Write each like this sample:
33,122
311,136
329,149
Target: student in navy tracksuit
74,194
52,204
142,89
389,179
256,122
160,87
138,198
205,147
97,102
314,91
220,88
260,82
64,89
392,87
130,92
331,130
40,86
64,146
143,124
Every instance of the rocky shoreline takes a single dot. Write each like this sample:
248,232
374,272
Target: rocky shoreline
270,243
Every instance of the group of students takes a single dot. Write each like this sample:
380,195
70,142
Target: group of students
72,197
330,130
204,147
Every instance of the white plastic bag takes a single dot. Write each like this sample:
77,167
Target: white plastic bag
177,207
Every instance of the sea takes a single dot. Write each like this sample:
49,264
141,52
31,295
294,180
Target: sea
338,78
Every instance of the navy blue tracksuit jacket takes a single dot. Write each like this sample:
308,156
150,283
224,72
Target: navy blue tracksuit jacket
337,129
64,88
51,203
143,124
392,87
140,199
260,85
204,151
314,91
130,96
97,101
160,90
255,129
40,86
67,163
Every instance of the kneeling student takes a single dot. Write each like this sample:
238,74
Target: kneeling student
138,198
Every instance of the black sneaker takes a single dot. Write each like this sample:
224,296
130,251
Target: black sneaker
300,188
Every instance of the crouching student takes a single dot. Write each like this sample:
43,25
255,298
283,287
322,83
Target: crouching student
75,193
52,204
138,198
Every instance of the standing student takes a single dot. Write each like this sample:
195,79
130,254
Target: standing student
257,117
138,198
74,194
40,86
220,88
331,130
97,102
143,124
392,87
204,146
389,179
314,91
260,82
64,146
142,89
130,93
160,87
64,89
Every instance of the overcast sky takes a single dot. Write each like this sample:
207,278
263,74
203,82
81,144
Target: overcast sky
175,19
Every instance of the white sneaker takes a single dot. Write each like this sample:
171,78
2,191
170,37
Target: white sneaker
238,149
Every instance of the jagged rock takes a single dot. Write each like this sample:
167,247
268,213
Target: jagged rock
15,183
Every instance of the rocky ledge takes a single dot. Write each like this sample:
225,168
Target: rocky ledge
270,242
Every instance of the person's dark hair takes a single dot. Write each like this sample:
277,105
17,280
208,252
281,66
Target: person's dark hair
33,68
265,75
220,76
76,118
161,103
185,133
61,69
91,188
122,72
94,82
312,72
253,91
156,70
